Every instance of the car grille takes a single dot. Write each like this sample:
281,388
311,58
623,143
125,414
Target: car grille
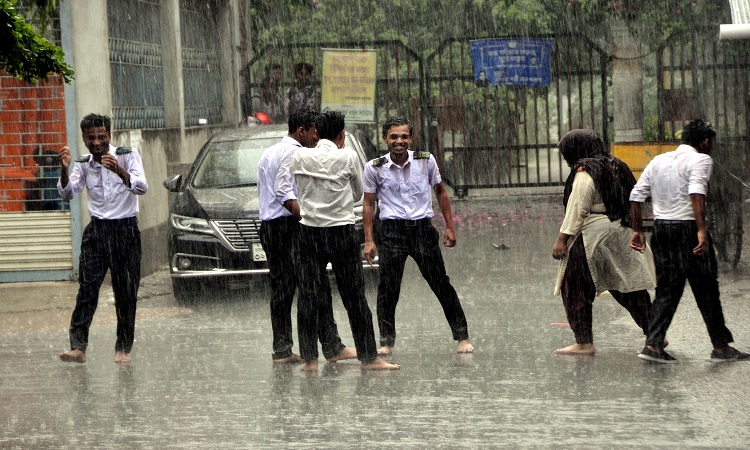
239,233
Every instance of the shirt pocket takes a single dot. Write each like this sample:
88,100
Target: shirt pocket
95,186
419,184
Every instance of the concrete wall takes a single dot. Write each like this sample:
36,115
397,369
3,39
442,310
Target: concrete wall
85,43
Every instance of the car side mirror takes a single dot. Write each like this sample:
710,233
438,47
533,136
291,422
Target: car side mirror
174,183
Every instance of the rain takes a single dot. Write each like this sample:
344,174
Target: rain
202,374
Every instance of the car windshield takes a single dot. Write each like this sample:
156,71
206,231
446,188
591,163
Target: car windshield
231,163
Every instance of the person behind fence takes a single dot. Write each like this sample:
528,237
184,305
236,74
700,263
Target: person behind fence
677,183
113,178
329,181
270,98
593,243
303,94
400,183
279,236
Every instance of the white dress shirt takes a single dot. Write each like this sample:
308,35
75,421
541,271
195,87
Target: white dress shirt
329,181
108,197
275,182
404,192
670,178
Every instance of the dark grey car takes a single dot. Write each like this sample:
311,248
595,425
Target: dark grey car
213,222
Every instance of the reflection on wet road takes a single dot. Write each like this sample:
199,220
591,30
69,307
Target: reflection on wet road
203,377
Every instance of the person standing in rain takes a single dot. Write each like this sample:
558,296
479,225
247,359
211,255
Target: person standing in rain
302,94
270,99
400,182
593,243
329,179
279,236
113,178
677,182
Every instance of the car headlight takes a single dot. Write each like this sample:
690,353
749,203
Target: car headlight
190,224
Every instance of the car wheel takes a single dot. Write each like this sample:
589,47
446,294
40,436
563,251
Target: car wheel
187,290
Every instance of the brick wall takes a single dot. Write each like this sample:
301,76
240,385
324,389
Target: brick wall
32,130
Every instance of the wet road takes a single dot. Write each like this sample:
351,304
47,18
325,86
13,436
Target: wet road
202,376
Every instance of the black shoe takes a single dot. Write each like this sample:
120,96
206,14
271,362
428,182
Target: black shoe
660,356
732,355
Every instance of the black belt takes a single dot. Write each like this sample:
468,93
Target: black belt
673,222
408,223
126,220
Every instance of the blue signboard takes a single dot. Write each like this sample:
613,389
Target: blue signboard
512,61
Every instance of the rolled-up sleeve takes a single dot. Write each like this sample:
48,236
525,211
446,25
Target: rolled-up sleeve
284,183
75,185
138,182
642,188
357,180
370,179
434,172
700,173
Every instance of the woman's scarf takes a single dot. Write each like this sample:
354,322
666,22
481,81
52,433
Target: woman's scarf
584,150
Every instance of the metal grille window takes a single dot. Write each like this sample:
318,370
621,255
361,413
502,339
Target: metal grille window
135,55
201,50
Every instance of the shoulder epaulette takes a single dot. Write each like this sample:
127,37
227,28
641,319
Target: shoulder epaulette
379,161
83,158
123,150
421,155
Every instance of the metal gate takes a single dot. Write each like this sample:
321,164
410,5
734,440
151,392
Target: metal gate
271,76
506,136
699,76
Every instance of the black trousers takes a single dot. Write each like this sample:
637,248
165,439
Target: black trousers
108,245
400,239
280,241
578,294
339,246
672,243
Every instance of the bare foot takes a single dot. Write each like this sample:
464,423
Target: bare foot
74,355
379,364
310,366
122,358
346,353
293,359
666,343
577,349
385,350
464,346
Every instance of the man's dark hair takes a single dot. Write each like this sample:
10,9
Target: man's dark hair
330,124
396,122
303,65
94,121
272,66
302,117
696,132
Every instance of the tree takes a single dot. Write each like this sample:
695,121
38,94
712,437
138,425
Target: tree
25,53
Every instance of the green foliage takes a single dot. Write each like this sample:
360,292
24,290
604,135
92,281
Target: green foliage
25,54
423,24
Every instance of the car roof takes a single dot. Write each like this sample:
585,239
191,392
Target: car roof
260,132
257,132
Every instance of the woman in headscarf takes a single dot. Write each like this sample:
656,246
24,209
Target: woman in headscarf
593,244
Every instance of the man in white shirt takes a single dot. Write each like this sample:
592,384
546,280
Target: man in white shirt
113,178
401,182
678,183
279,236
329,181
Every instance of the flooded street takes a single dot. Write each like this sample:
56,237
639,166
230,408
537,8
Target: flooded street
202,375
